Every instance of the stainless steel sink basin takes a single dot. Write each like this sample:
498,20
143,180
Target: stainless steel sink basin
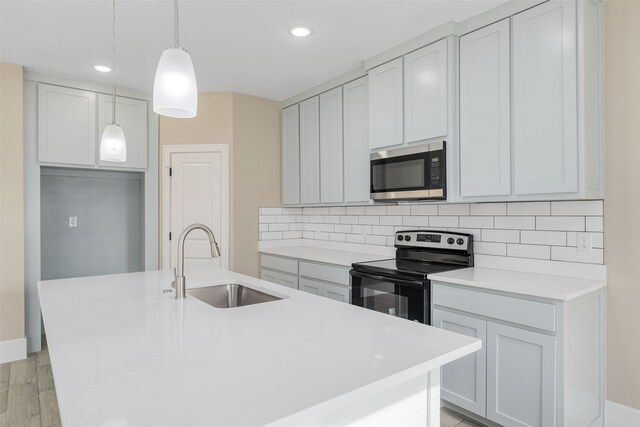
231,295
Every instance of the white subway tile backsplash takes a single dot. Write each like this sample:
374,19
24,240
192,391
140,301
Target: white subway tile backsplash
515,222
529,208
355,210
594,224
390,220
533,230
584,208
489,248
488,209
476,221
424,209
453,209
371,220
399,210
443,221
375,210
506,236
567,253
529,251
551,238
415,221
558,223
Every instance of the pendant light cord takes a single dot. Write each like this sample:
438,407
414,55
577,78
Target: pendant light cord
176,25
113,93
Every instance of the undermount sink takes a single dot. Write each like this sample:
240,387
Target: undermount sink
231,295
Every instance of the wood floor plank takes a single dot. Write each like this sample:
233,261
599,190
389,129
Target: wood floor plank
45,378
22,402
42,358
28,422
49,409
23,372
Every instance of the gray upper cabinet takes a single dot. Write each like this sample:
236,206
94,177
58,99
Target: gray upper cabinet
426,92
331,147
356,140
66,125
485,112
521,367
310,150
385,105
290,155
545,99
131,115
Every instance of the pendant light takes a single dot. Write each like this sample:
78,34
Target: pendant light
113,146
175,92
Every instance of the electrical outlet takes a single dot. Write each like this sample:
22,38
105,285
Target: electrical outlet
584,242
73,221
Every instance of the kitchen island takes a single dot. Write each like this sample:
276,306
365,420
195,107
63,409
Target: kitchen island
124,353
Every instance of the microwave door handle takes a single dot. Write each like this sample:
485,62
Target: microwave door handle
413,283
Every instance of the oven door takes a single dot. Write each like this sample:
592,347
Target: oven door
407,299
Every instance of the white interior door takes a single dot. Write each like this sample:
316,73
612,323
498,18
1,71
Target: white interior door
199,194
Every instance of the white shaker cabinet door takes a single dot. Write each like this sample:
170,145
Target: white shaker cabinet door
463,381
545,99
288,280
331,148
67,129
485,112
131,115
356,140
290,155
311,286
268,275
310,150
336,292
521,377
426,92
385,105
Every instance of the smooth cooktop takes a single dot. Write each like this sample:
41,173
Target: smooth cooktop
403,268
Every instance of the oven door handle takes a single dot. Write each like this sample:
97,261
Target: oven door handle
412,283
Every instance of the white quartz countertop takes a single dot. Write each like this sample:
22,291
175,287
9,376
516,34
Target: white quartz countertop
126,354
329,256
531,284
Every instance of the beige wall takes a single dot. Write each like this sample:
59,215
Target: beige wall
622,202
251,127
11,204
256,173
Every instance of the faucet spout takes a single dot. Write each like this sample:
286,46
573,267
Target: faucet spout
180,282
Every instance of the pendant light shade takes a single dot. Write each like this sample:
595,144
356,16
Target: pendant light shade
175,92
113,146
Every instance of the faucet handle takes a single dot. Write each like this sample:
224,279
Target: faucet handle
175,277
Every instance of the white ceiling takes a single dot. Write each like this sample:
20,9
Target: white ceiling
240,46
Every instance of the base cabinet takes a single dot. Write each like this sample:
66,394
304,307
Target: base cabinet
521,377
463,382
541,362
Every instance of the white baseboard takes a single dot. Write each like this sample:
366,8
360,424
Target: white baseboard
13,350
617,415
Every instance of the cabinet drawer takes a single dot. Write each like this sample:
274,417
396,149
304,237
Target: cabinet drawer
523,312
328,273
278,263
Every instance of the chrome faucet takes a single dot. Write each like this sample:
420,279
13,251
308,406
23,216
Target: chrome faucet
179,283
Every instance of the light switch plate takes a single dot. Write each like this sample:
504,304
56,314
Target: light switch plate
585,243
73,221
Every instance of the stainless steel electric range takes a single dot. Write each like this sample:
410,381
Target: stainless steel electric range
399,286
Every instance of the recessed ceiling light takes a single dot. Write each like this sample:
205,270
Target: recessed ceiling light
102,68
300,31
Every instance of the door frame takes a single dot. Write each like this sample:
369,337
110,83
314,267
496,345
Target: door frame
167,151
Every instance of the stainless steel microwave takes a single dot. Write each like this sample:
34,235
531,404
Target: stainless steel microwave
409,173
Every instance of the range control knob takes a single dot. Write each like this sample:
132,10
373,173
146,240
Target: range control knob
407,238
400,237
460,241
450,240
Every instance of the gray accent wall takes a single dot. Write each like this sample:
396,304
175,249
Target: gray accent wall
109,236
